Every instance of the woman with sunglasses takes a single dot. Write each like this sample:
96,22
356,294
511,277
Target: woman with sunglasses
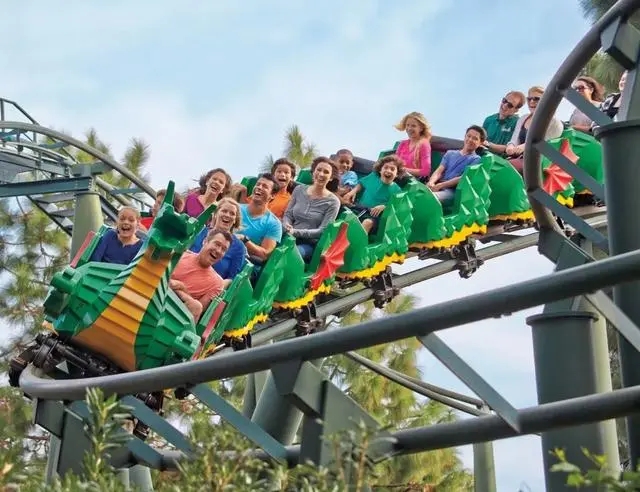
593,92
515,148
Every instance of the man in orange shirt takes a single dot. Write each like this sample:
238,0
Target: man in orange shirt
194,280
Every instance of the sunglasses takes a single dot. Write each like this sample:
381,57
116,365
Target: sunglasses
508,104
533,98
580,88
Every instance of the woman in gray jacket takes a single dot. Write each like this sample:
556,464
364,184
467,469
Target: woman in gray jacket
515,148
312,207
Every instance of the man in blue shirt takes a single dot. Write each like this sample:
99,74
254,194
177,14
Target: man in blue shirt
444,180
261,231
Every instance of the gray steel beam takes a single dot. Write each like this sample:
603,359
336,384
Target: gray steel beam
622,153
31,163
96,154
484,468
568,413
463,371
560,285
59,185
556,333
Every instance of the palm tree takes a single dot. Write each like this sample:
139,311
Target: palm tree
605,70
392,404
602,67
296,149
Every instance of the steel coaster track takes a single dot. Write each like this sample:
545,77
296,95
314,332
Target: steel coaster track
279,328
568,283
52,161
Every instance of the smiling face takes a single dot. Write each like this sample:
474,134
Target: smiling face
388,172
213,250
283,175
345,162
414,128
623,81
226,217
322,173
127,224
508,105
472,140
533,98
262,191
216,184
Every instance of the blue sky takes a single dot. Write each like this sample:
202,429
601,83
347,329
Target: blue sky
211,84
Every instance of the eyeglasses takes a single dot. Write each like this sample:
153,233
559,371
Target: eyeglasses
580,88
508,104
533,98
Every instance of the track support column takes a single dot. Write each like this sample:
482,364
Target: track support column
621,154
275,413
571,359
484,468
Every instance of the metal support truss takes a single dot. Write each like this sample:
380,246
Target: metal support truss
621,152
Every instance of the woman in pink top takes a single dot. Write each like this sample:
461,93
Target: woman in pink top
416,150
213,186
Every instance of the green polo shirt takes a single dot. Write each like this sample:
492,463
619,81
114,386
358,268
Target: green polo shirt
499,131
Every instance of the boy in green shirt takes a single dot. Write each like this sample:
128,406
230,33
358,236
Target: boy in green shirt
377,188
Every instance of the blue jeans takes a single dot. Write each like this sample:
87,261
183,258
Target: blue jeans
306,250
445,195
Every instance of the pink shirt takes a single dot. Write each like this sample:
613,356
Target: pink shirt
202,283
192,206
423,160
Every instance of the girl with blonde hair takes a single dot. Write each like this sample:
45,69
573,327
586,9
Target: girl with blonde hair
415,152
120,245
227,218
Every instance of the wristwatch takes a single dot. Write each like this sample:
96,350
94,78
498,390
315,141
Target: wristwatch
245,239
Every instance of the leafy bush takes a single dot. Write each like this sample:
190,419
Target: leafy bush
600,476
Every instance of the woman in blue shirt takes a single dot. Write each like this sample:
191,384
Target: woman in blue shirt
226,218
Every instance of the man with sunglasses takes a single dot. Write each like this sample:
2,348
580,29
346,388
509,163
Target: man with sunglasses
500,126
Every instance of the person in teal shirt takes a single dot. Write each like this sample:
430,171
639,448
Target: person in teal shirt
377,189
500,126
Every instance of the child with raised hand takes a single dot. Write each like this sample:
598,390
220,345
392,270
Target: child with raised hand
120,245
348,178
377,189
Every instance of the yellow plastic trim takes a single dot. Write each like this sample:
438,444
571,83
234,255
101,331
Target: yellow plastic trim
527,215
378,267
238,332
565,201
456,238
304,300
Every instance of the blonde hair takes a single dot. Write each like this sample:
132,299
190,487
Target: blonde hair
226,200
536,88
419,117
135,211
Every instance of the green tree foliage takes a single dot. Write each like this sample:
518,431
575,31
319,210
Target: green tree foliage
296,148
602,67
393,405
605,70
600,477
